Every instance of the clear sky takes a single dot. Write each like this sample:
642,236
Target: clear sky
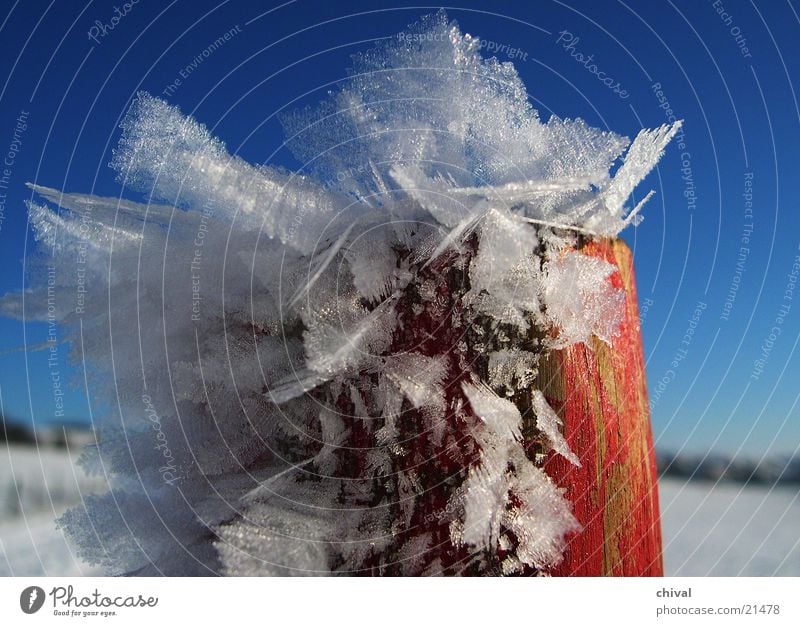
727,68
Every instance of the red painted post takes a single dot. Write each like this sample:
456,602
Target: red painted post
600,394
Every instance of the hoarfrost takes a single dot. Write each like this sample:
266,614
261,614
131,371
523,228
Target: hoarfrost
590,306
550,424
342,393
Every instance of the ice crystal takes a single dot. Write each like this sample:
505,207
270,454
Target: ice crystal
323,371
550,424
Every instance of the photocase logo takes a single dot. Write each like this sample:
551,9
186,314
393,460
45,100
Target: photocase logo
31,599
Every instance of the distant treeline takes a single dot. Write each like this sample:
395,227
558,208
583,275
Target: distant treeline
773,470
15,433
59,434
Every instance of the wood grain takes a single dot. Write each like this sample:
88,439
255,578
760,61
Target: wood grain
600,394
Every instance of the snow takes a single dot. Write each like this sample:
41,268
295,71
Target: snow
35,547
36,486
720,529
725,529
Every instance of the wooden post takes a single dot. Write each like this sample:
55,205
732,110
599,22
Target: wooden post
600,394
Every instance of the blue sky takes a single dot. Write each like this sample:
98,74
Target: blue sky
727,69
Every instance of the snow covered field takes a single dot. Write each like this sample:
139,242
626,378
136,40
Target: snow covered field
729,530
36,486
723,530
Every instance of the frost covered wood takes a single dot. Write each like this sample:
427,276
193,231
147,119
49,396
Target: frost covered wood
599,391
348,393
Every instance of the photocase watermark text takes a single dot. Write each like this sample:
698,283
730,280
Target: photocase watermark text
101,29
168,471
569,42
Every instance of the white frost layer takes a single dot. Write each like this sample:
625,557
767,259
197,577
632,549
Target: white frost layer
224,328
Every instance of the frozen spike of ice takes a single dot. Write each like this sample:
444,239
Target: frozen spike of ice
321,266
269,486
89,205
513,193
641,158
435,196
457,233
564,226
634,214
499,414
550,424
53,229
177,159
298,384
339,340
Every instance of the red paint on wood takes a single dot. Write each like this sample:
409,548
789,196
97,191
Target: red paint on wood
599,392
